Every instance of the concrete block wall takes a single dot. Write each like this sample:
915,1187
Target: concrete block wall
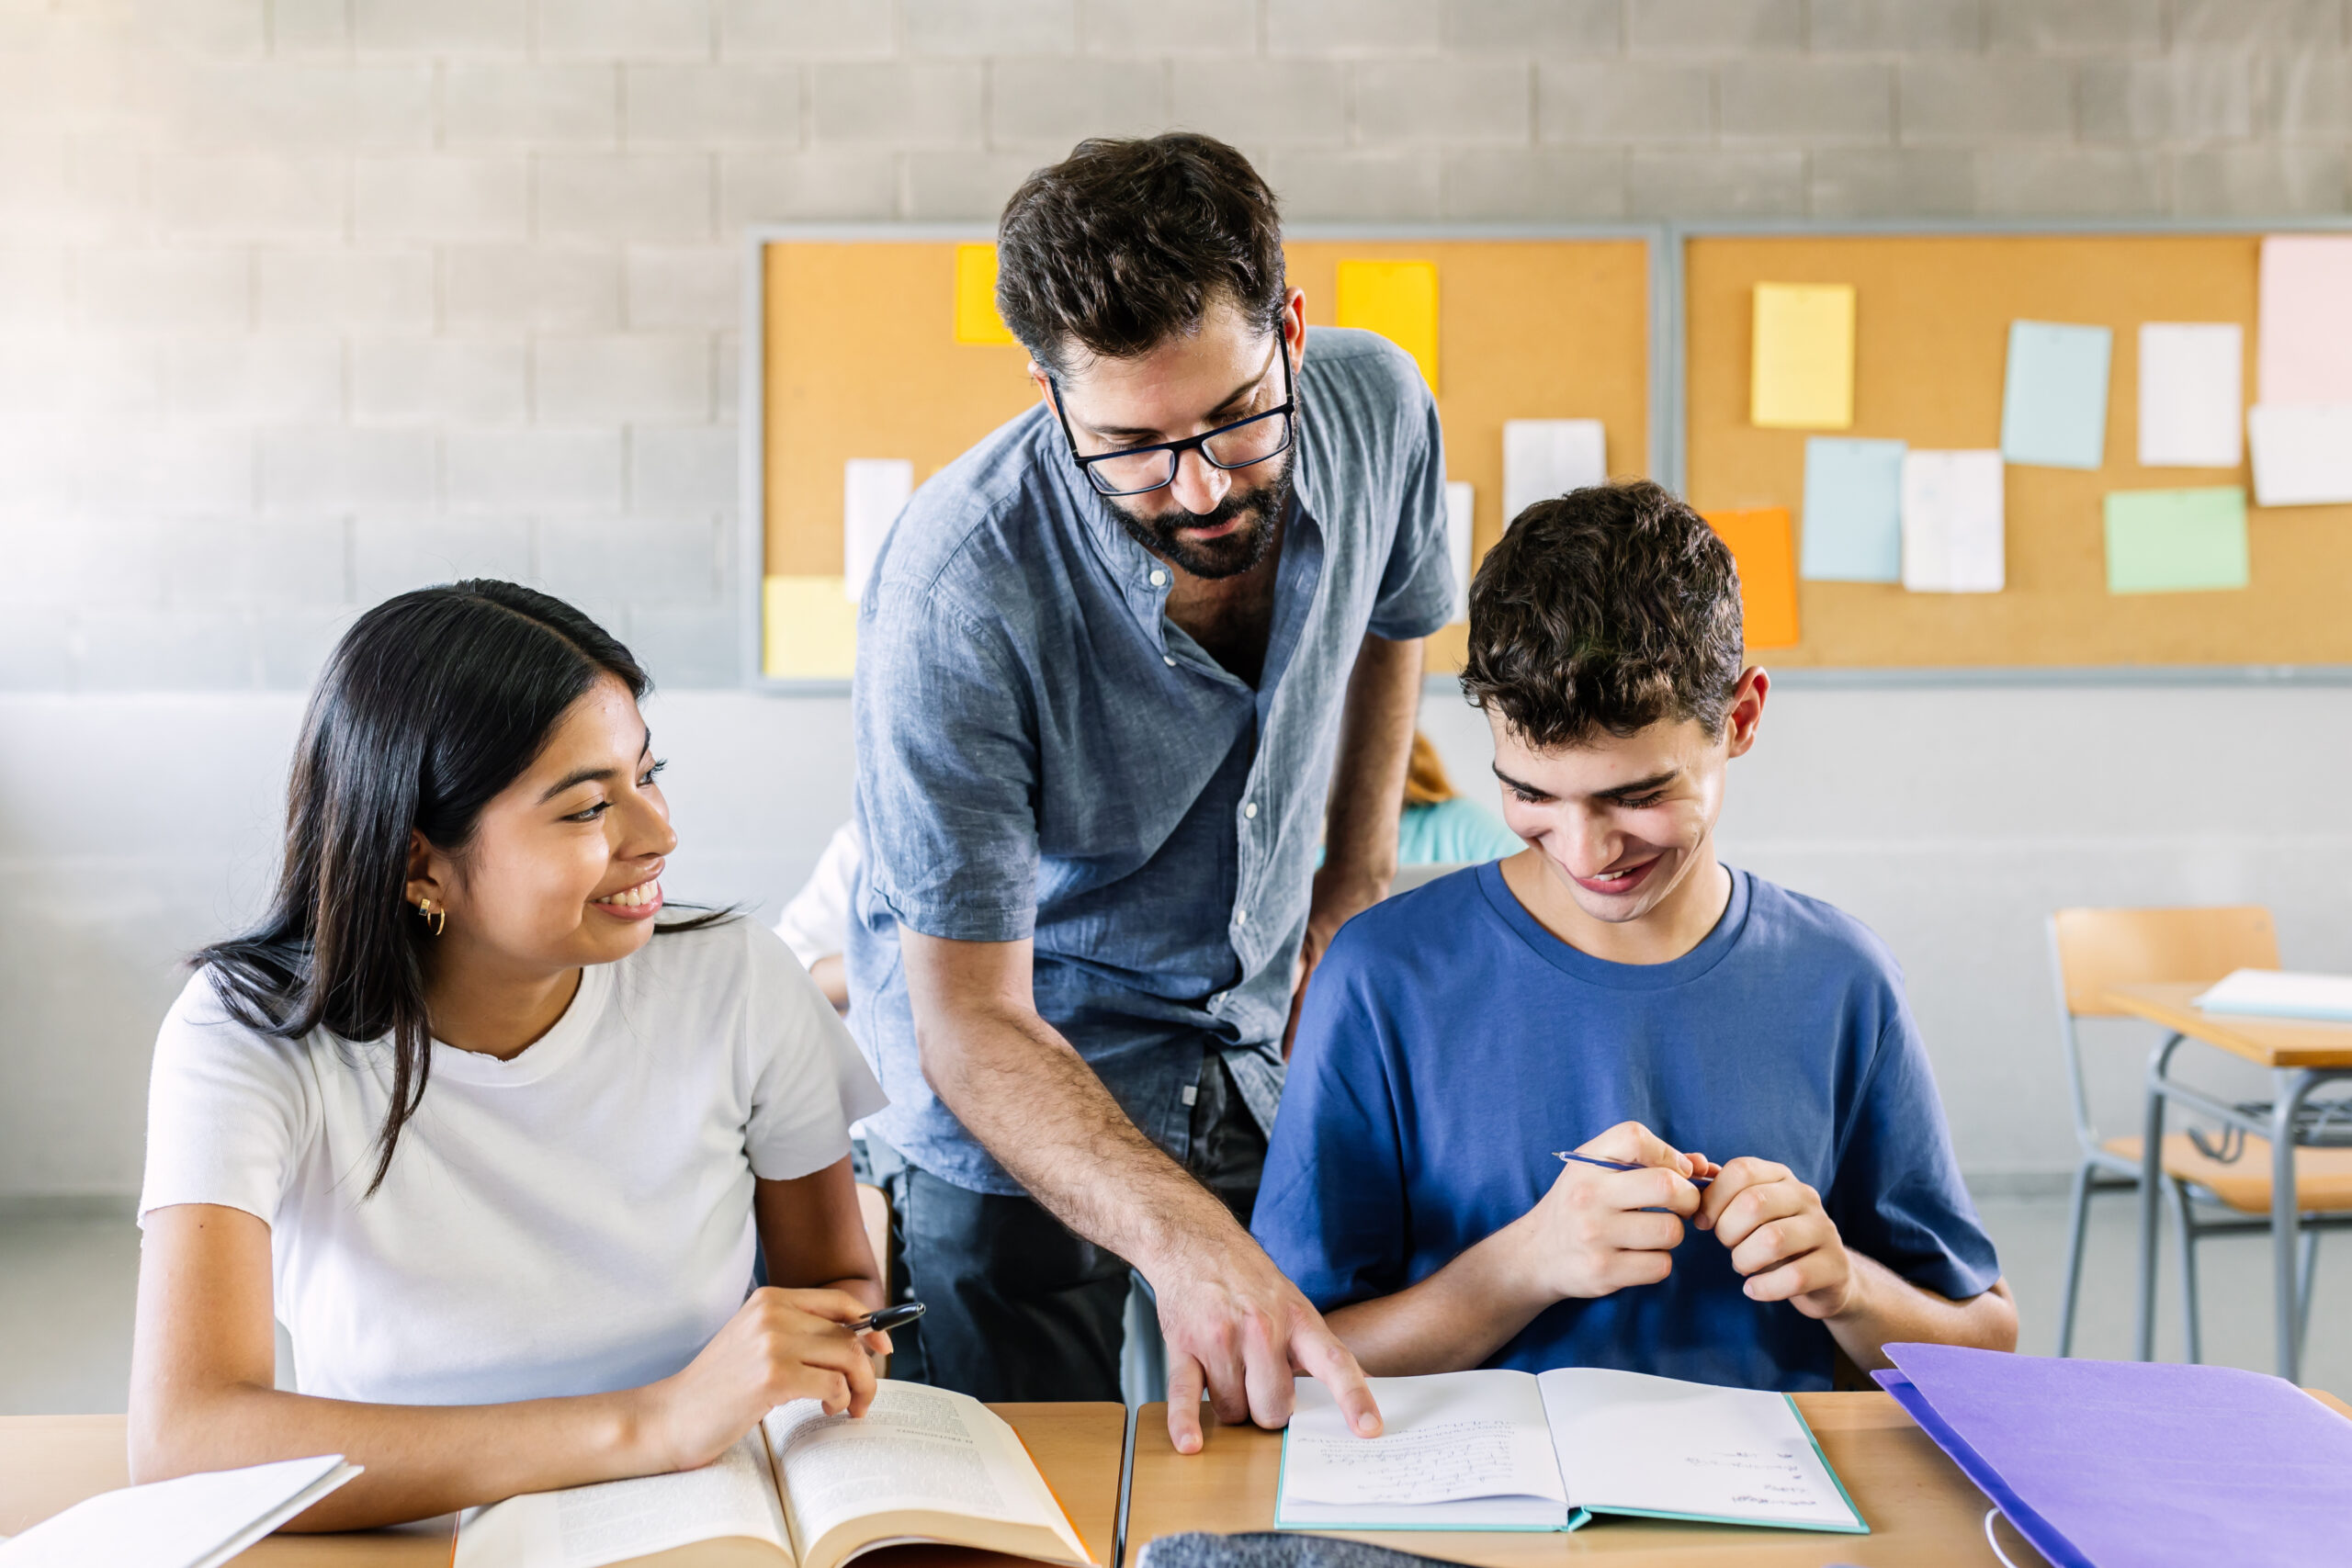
306,301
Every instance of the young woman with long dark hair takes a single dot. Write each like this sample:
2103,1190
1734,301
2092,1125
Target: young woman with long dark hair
493,1142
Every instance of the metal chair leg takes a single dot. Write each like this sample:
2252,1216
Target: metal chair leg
2074,1237
2303,1306
2192,1331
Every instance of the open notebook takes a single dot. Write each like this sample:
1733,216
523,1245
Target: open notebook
1508,1450
803,1488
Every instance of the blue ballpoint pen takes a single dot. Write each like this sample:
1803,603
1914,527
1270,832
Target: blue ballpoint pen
1700,1181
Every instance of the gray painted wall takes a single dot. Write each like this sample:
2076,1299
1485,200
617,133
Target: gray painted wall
306,301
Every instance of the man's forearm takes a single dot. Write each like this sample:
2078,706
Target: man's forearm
1036,1105
1892,1310
1368,777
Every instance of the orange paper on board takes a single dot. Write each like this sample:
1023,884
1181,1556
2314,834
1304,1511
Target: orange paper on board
1768,573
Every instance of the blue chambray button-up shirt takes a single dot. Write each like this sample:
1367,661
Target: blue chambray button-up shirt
1042,754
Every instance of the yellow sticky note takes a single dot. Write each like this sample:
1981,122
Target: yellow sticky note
1803,374
975,317
1759,547
809,629
1399,300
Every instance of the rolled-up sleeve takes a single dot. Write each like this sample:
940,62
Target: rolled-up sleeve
947,782
1417,586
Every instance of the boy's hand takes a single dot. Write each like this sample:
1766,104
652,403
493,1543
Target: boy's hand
1596,1231
1780,1238
779,1345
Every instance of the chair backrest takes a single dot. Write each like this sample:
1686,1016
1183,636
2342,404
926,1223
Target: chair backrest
2098,948
2091,950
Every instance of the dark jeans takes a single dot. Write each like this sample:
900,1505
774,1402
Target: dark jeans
1020,1307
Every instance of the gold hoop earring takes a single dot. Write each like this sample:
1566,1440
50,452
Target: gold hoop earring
434,919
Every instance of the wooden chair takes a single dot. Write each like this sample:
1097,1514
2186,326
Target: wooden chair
2091,950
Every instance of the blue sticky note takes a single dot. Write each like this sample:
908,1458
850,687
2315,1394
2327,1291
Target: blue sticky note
1853,510
2053,405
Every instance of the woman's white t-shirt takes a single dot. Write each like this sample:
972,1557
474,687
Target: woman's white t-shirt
575,1219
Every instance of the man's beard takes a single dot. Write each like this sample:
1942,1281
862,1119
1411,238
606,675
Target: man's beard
1229,555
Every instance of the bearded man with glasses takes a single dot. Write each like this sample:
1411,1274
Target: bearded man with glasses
1122,667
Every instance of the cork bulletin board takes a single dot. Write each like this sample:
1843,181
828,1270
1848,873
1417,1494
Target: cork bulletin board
859,352
1932,319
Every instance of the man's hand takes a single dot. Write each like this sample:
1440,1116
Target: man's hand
1235,1324
1596,1231
1780,1238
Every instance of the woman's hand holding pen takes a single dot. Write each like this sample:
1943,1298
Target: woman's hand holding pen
1597,1231
779,1345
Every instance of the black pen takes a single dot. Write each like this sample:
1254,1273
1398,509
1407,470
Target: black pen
1620,1165
887,1319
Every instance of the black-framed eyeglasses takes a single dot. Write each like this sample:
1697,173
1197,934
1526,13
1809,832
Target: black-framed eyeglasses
1133,471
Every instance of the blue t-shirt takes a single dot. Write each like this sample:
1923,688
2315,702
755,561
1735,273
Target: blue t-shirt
1450,1044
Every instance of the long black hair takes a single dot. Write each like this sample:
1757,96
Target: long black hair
431,704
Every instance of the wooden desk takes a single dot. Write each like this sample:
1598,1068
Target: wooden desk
1923,1513
2301,1057
2264,1042
50,1463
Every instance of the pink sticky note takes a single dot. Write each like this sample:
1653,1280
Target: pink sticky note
2306,326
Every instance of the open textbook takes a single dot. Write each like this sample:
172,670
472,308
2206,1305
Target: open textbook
1508,1450
803,1488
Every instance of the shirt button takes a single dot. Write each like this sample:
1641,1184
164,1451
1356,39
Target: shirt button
1159,580
1217,1000
1164,658
1250,808
1241,917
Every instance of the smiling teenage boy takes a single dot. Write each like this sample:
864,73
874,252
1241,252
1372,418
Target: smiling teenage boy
1616,990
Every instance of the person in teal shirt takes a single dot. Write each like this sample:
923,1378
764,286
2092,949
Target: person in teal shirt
1440,827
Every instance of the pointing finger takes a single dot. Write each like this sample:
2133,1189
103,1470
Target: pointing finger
1184,1383
1320,1354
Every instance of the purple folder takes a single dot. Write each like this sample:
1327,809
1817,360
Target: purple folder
2135,1465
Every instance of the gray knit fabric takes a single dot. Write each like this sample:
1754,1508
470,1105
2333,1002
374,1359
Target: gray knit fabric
1275,1548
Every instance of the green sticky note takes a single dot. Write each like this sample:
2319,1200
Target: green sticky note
2175,541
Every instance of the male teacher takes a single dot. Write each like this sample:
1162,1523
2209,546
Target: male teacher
1122,666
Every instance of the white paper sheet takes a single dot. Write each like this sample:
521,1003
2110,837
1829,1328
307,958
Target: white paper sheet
1461,506
1546,457
1447,1438
2191,394
195,1521
874,491
1735,1452
1952,523
2306,320
2302,455
2274,993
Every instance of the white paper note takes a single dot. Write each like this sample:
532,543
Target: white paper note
193,1521
2273,993
2191,393
874,491
1952,523
2303,454
1547,457
1461,507
2306,321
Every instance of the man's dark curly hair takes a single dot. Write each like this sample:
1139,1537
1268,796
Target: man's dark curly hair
1129,243
1608,608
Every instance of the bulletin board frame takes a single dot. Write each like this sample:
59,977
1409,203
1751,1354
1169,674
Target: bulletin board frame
1673,469
1661,413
